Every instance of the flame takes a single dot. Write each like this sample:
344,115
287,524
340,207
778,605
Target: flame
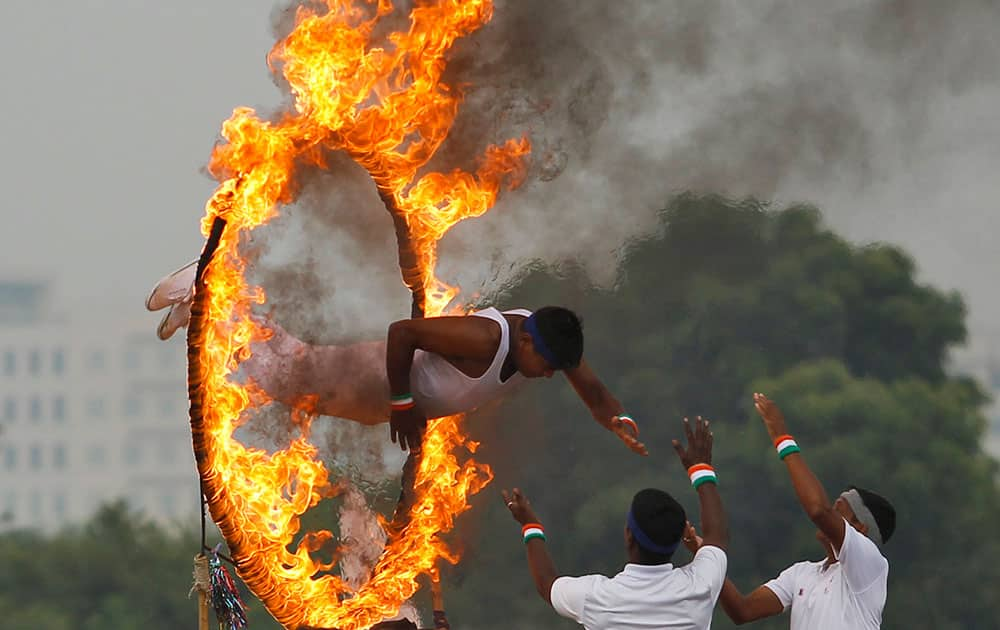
389,110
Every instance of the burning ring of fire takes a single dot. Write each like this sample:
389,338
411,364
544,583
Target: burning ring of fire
388,109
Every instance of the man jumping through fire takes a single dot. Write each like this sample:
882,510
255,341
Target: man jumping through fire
425,368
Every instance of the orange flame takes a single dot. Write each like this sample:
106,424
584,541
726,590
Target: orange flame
390,111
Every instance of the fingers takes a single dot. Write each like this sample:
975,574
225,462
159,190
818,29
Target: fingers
630,423
679,449
688,433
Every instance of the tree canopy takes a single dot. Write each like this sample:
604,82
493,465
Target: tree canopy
726,299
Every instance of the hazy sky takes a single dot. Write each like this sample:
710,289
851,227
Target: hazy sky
110,110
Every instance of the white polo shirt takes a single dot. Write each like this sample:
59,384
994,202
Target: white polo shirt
645,597
847,595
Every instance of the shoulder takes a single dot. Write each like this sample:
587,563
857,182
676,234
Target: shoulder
569,594
709,555
859,548
518,312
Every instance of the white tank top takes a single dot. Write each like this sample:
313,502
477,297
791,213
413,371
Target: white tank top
441,389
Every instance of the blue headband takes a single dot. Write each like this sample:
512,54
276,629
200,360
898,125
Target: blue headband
531,327
645,542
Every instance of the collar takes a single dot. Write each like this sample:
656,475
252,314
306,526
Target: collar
647,570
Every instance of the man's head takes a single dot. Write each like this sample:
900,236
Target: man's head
654,527
867,512
551,339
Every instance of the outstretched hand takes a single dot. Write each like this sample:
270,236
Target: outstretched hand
519,506
769,412
628,432
699,444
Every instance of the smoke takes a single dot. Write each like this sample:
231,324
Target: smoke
627,103
882,113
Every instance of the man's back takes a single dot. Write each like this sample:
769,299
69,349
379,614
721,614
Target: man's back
645,596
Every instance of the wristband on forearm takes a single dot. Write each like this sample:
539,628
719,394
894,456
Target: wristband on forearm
701,474
627,419
532,530
402,402
786,445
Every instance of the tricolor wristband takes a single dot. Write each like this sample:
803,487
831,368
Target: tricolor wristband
701,474
402,402
532,530
627,419
786,445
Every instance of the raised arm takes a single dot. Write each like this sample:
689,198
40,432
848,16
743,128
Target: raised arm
603,405
697,460
543,570
808,489
456,337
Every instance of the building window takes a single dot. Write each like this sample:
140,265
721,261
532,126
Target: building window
36,507
97,456
59,506
35,409
133,407
59,409
95,408
58,361
59,457
132,360
35,362
168,356
9,510
96,360
167,454
10,458
133,454
35,457
10,409
168,407
9,362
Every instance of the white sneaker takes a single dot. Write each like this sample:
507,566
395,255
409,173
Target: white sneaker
177,317
173,288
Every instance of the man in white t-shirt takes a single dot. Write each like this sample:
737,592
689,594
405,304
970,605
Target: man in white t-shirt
650,592
847,589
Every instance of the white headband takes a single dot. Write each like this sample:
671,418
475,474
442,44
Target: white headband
863,514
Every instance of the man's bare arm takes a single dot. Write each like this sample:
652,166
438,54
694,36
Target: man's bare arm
810,492
602,404
460,337
543,570
714,525
761,603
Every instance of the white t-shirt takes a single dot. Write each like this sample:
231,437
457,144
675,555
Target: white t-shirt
645,597
847,595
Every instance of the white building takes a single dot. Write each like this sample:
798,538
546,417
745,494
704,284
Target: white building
87,415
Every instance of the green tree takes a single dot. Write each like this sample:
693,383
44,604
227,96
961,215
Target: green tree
730,298
118,571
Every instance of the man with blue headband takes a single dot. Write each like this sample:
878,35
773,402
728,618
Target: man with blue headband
425,368
650,592
441,366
